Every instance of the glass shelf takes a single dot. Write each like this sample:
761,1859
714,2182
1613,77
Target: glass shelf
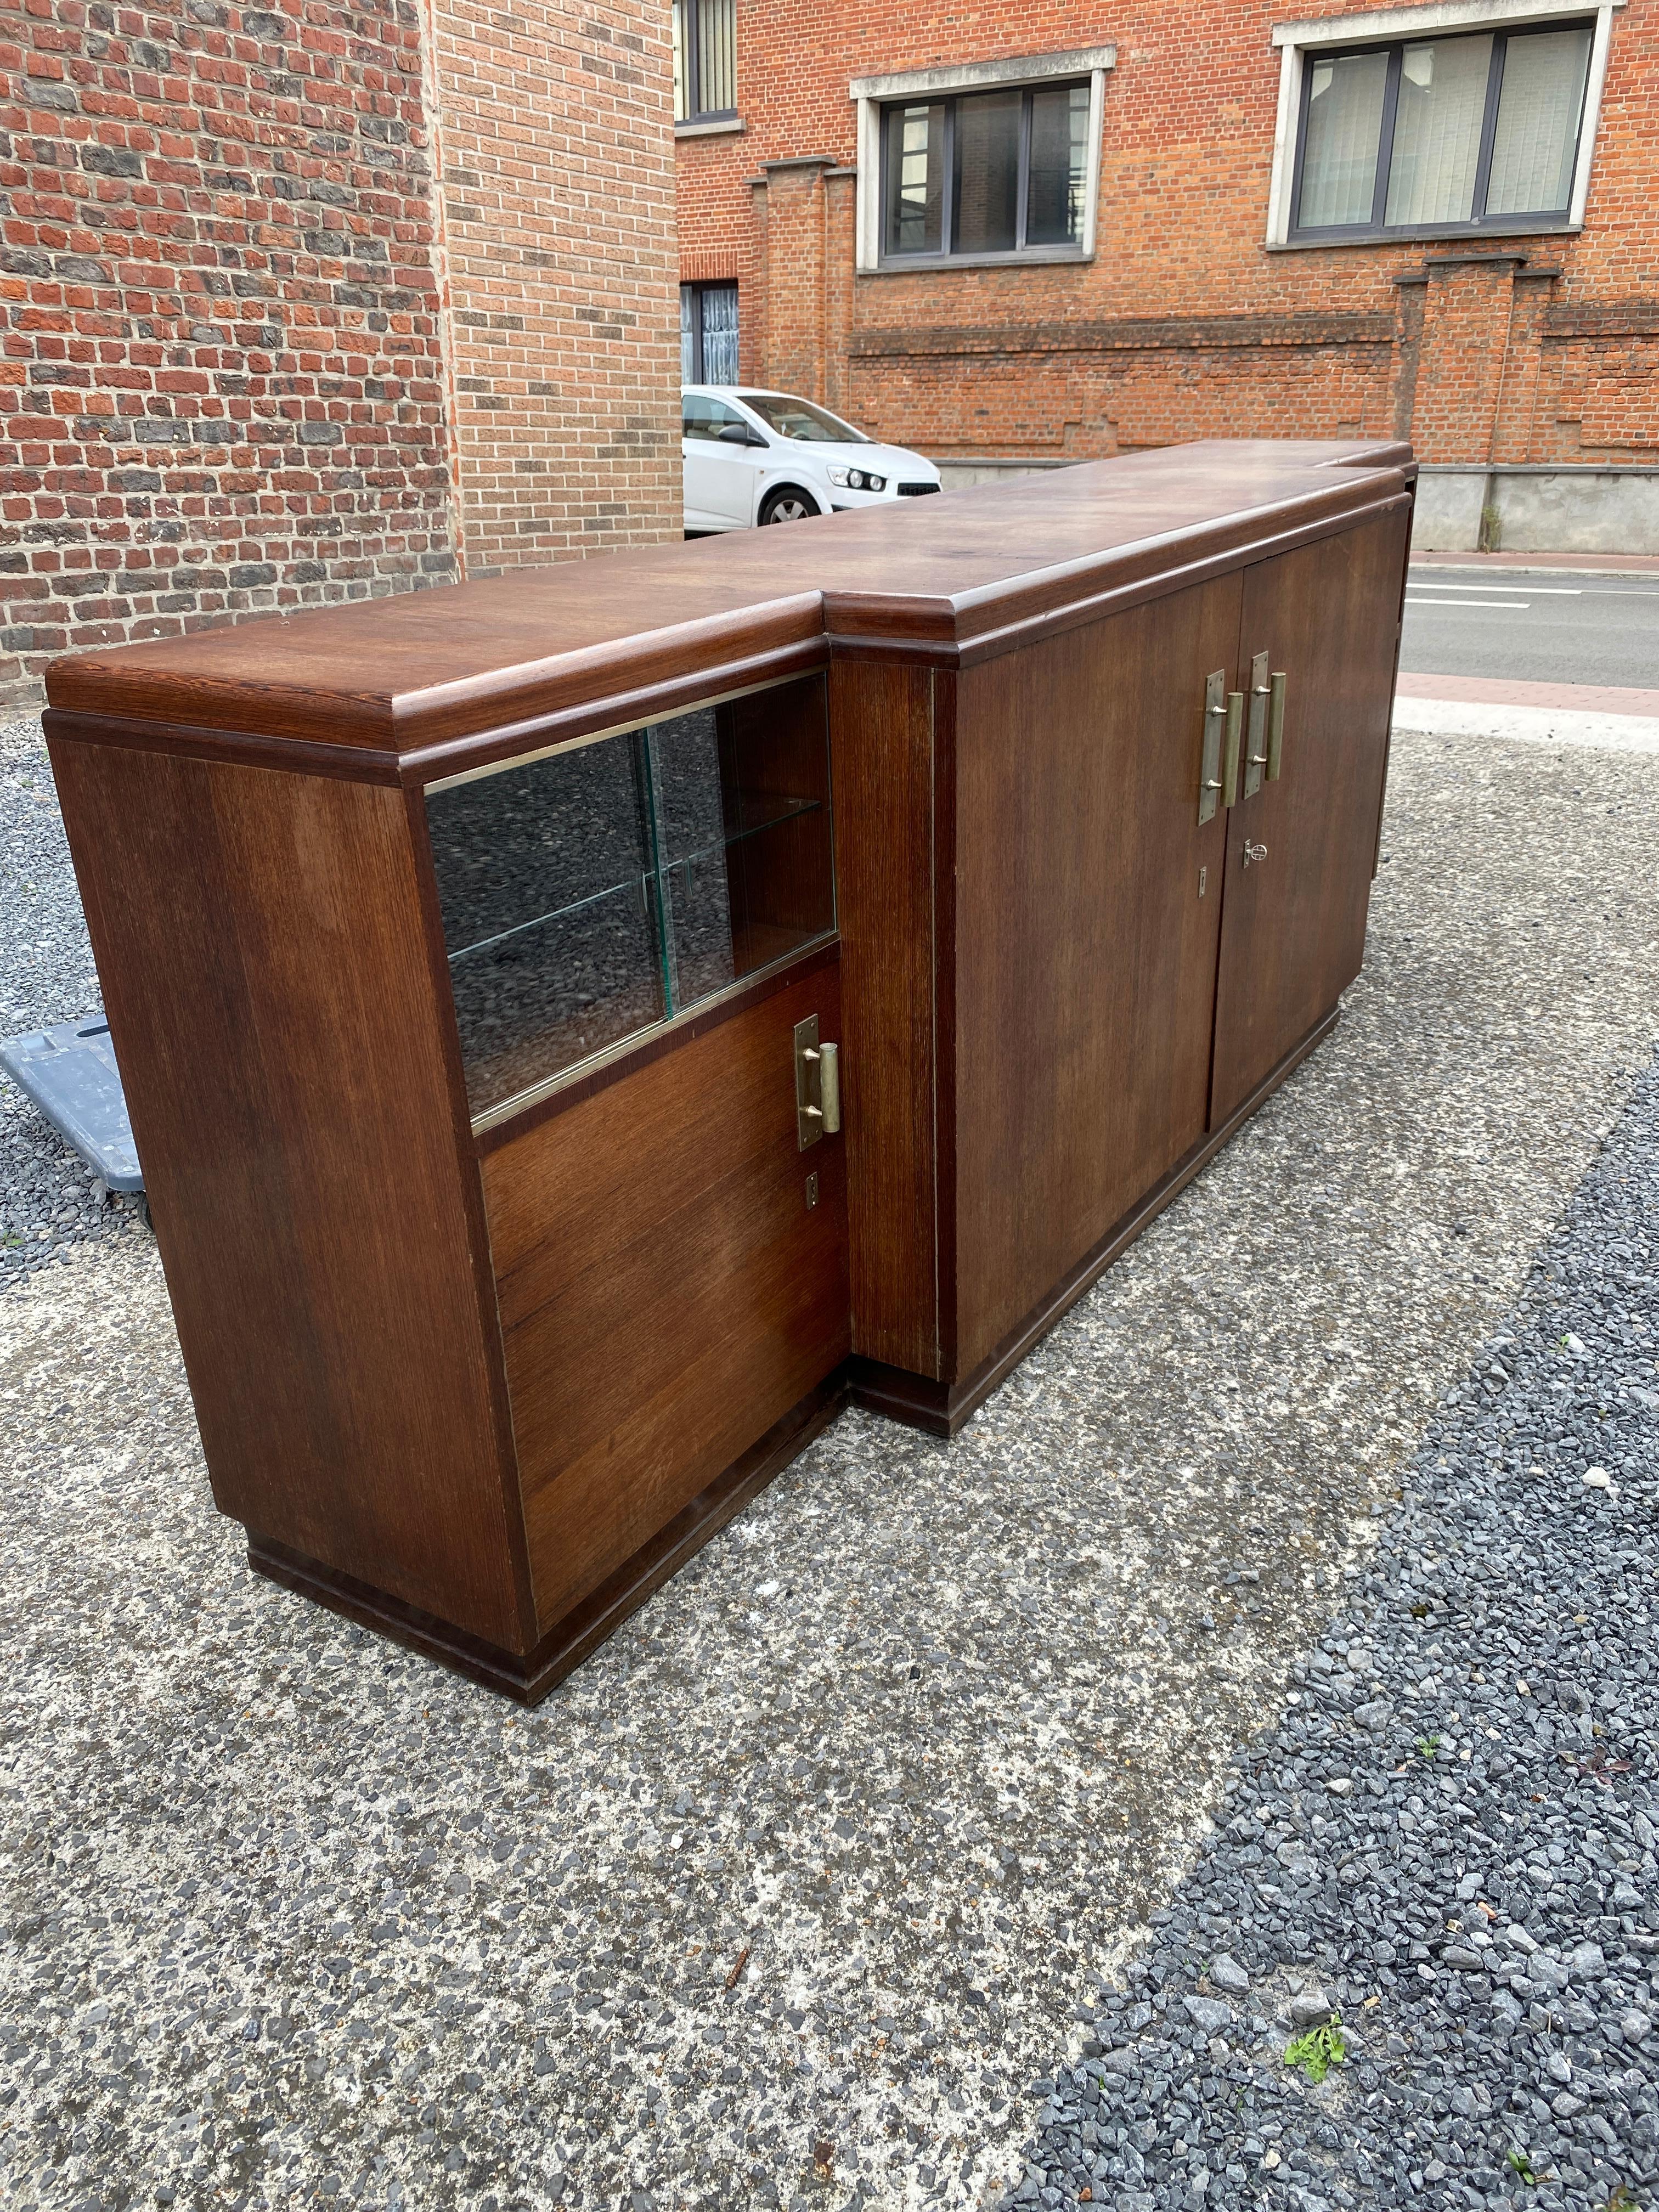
591,896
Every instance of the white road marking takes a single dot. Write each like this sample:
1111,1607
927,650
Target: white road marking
1537,591
1511,606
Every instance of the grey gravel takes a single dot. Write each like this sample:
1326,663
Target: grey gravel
1482,1906
50,1203
929,1733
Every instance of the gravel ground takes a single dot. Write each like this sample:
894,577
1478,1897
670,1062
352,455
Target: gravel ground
50,1203
1447,1845
790,1894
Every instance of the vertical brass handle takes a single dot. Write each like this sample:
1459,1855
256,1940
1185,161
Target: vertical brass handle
1234,734
1209,770
1275,724
1256,749
829,1085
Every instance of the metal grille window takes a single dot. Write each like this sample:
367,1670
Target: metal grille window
708,334
705,60
1001,172
1476,132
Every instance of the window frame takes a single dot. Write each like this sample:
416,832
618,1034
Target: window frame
691,69
1329,38
877,96
699,286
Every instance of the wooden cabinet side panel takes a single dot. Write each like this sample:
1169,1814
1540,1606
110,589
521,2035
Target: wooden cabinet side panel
881,722
260,944
1085,954
1294,936
666,1293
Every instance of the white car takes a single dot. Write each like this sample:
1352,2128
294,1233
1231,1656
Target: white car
759,457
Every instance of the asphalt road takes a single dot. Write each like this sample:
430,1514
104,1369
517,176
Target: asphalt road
1540,627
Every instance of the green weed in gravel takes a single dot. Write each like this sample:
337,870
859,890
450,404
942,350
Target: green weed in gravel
1318,2050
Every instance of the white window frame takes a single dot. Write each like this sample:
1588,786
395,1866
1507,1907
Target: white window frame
1298,42
873,93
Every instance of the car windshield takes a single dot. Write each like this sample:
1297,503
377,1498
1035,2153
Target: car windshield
799,418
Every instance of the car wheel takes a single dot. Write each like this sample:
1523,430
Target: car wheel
785,504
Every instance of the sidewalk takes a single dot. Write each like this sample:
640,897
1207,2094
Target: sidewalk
1588,564
1609,718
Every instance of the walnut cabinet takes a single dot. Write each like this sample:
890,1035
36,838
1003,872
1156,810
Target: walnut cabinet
583,1025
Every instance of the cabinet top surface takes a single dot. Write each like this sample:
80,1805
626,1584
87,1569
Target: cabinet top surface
397,674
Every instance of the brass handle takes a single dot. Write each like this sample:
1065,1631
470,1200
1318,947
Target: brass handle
1255,745
830,1080
1276,725
1209,770
1235,734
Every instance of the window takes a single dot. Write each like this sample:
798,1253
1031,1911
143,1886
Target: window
708,333
981,161
1476,130
705,60
801,420
989,172
703,417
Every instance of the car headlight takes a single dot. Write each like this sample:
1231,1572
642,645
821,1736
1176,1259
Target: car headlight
843,477
875,483
854,479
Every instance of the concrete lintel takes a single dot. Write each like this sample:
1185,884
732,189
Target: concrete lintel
969,76
1411,22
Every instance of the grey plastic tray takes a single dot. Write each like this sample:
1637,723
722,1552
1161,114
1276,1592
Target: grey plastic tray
71,1074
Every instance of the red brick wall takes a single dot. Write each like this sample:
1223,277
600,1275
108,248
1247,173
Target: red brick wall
1184,324
251,361
221,325
554,126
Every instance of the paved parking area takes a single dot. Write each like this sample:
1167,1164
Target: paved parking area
794,1892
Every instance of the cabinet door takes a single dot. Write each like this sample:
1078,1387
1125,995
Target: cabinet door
1086,916
671,1272
1300,849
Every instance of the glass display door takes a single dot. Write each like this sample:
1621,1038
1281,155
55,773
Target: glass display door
596,893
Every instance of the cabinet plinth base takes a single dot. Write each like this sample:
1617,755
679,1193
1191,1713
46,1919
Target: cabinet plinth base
943,1408
528,1677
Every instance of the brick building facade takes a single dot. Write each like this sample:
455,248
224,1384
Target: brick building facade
1216,281
324,300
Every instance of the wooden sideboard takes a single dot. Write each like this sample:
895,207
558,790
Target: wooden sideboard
580,1025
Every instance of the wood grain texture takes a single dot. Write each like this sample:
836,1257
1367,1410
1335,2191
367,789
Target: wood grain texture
528,1676
1294,931
1084,959
665,1293
261,945
773,752
881,720
405,676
